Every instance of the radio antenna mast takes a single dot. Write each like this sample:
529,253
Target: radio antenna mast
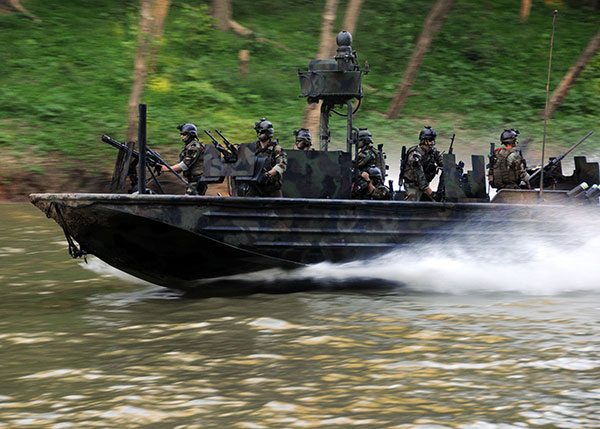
546,107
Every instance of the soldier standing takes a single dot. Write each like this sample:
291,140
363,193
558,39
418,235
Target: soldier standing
420,165
303,139
367,154
191,158
507,170
276,162
369,186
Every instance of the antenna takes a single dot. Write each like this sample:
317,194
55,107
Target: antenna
546,107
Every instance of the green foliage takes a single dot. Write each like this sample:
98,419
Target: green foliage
66,81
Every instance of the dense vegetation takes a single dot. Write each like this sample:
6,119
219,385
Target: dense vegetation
65,81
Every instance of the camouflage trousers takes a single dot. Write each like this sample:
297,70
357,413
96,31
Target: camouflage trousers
413,193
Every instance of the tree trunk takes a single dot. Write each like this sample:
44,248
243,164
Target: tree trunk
351,16
433,23
525,9
326,50
139,78
16,4
221,11
569,80
140,67
160,10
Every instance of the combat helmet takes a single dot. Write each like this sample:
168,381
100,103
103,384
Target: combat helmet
303,135
365,137
427,134
264,127
509,136
375,175
189,131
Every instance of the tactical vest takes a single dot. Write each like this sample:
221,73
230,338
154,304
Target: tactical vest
196,168
502,173
427,162
267,153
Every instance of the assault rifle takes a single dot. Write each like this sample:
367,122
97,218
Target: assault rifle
554,162
229,152
153,160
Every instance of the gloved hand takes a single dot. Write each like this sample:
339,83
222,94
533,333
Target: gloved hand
265,178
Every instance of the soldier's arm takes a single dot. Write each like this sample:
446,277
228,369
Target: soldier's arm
280,162
417,166
369,157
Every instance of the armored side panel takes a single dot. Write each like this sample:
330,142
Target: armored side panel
317,174
465,187
216,167
477,178
586,171
452,178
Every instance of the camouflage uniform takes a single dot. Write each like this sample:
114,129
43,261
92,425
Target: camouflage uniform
367,157
371,188
276,159
507,169
191,161
381,192
420,169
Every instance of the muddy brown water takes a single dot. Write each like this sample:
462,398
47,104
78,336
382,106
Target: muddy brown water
85,346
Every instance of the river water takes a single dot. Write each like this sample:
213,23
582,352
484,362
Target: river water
410,341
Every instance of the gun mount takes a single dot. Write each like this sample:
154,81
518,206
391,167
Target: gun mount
334,82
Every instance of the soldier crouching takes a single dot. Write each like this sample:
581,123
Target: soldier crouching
369,186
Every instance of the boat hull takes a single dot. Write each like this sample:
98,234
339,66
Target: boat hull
179,241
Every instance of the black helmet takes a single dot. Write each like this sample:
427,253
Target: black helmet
263,126
303,135
188,129
364,136
427,134
375,174
509,136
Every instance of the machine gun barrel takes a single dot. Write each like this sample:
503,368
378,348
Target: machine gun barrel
229,155
153,159
451,144
558,159
230,146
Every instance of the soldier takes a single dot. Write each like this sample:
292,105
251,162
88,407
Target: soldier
420,166
303,139
507,169
367,154
191,158
276,162
369,186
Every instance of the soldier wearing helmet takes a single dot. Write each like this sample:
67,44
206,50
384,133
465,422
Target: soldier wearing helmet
276,161
367,154
369,186
507,170
303,139
420,165
191,158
